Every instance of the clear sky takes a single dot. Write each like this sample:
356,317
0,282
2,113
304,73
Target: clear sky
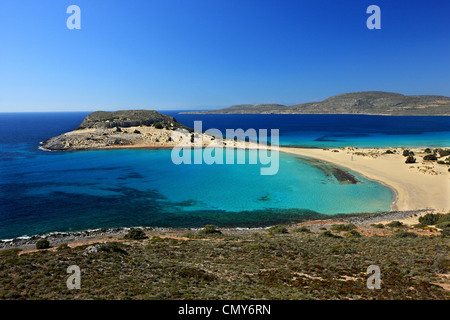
199,54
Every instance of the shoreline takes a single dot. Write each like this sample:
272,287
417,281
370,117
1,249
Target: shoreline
89,236
349,158
415,186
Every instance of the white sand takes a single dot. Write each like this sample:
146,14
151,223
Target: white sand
422,185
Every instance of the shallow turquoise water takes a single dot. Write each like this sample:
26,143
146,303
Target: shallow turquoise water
44,192
80,190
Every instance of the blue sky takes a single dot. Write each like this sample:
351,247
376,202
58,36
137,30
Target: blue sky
201,54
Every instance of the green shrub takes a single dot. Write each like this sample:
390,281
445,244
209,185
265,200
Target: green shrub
444,152
137,131
158,125
395,224
444,217
209,229
410,159
429,219
405,234
427,150
353,233
328,234
389,152
343,227
407,153
441,162
42,244
189,235
430,157
135,234
378,225
112,247
443,221
277,230
322,228
301,229
118,129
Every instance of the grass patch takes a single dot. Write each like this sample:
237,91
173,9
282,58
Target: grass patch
343,227
278,229
395,224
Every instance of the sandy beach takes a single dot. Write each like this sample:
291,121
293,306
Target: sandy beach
421,185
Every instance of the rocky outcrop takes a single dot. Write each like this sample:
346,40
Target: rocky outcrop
128,128
128,118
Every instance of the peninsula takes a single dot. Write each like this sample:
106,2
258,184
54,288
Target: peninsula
119,129
366,102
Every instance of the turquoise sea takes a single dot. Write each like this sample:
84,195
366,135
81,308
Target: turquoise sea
43,192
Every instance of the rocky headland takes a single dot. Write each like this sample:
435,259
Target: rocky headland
119,129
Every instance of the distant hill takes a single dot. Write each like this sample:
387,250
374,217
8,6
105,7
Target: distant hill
365,102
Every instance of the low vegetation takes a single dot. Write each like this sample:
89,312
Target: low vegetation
443,152
42,244
395,224
430,157
441,221
238,265
277,230
410,159
301,229
407,153
135,234
429,219
209,230
343,227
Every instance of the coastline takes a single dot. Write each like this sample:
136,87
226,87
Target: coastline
90,236
416,186
371,163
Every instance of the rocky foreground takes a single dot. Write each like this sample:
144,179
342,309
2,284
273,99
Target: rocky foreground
311,260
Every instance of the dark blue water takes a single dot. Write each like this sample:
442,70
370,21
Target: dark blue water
43,192
336,130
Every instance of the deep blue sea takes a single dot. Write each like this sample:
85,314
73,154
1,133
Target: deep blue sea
43,192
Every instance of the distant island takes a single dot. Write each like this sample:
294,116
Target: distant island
365,102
